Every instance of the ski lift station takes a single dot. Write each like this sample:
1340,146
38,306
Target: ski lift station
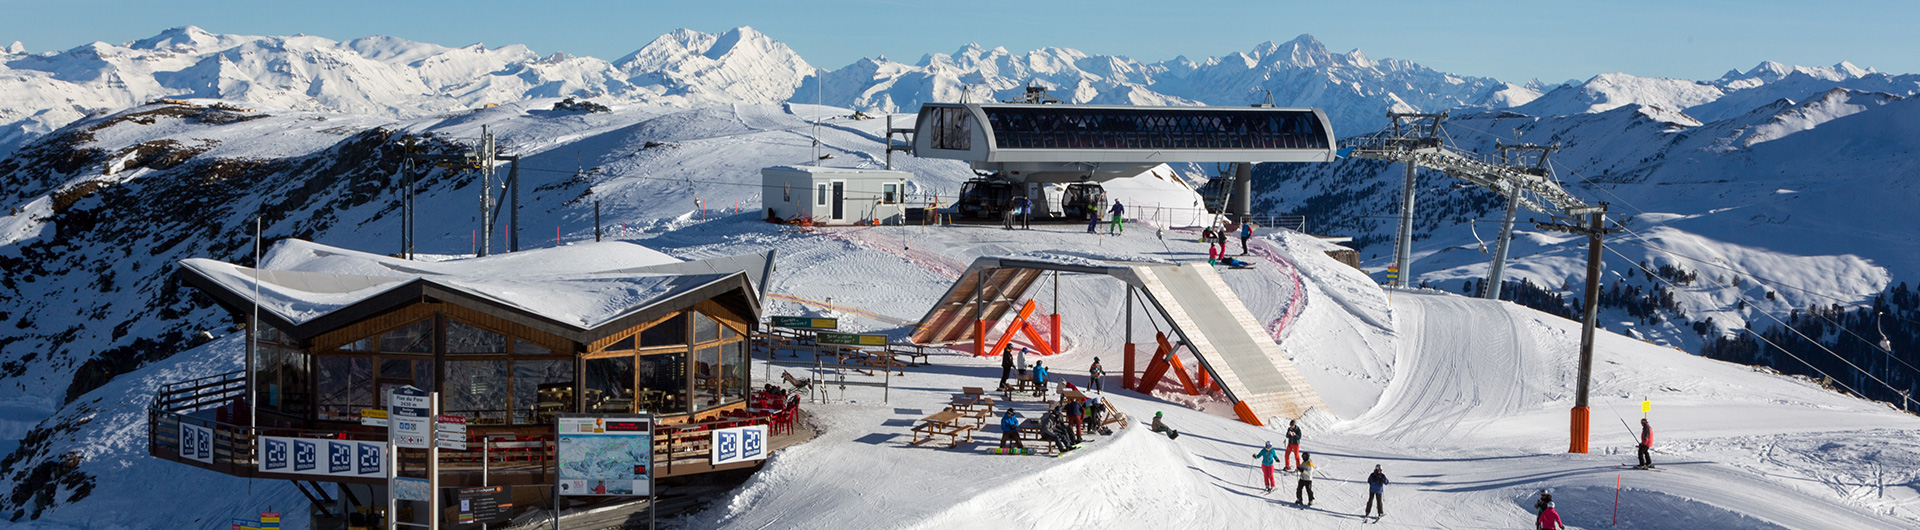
506,345
833,195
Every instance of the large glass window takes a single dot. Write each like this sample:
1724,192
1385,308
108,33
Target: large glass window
671,332
521,347
952,128
477,390
466,338
1058,127
609,383
267,362
706,377
704,328
663,383
541,389
395,373
411,338
296,382
733,372
345,386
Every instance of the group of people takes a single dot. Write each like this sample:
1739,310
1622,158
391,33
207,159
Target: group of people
1016,363
1065,424
1216,238
1116,226
1019,209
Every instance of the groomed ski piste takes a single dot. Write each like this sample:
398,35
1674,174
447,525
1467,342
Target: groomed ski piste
1464,402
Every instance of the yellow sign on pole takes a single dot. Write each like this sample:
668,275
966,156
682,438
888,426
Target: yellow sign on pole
1646,406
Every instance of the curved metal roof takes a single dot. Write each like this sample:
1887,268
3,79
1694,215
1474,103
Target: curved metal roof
1119,134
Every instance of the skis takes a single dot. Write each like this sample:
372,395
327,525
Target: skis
1013,451
1364,519
1635,466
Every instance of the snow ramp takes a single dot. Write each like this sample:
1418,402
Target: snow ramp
1230,343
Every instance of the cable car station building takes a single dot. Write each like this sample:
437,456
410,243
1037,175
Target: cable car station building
509,341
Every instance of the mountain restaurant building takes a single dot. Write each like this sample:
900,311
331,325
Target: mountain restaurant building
509,341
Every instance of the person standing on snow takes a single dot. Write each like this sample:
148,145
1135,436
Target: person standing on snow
1096,372
1012,210
1267,455
1646,444
1093,217
1220,240
1119,225
1546,499
1022,359
1246,232
1306,479
1010,430
1293,444
1039,379
1025,205
1549,519
1376,485
1213,250
1006,368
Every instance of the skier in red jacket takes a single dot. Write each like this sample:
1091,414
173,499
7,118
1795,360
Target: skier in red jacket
1549,519
1646,443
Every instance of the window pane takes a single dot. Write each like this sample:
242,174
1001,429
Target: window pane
704,328
671,332
412,338
296,382
623,345
706,378
733,370
663,383
465,338
820,196
610,384
540,389
266,373
521,347
726,332
359,345
477,390
346,386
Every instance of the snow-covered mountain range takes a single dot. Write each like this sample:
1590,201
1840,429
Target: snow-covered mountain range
1793,174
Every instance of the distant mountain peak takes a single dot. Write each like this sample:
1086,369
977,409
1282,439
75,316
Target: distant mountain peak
177,37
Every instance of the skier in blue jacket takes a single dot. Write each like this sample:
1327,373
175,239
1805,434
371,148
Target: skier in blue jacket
1010,430
1267,455
1376,484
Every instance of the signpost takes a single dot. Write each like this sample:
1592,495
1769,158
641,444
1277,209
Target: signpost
850,339
407,409
485,505
373,417
806,323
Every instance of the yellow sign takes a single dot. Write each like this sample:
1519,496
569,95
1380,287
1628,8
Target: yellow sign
373,413
1646,406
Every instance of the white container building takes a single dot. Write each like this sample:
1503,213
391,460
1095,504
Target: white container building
833,195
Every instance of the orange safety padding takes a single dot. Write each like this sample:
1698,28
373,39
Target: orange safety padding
1180,370
1056,330
1005,338
1246,414
1205,379
1126,380
980,338
1156,368
1034,337
1579,428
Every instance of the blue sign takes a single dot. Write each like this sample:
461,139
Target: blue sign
274,455
306,456
739,444
752,443
726,445
370,458
339,458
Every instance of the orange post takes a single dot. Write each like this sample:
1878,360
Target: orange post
1156,368
1204,379
1025,311
980,338
1056,331
1579,429
1126,378
1034,337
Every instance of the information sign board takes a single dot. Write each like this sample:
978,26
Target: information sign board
605,454
411,489
488,504
313,456
849,339
407,410
451,432
196,443
806,323
373,417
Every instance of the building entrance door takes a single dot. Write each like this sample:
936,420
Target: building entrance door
839,199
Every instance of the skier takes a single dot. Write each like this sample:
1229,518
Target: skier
1160,427
1006,216
1026,212
1546,499
1095,410
1213,251
1010,430
1267,456
1306,479
1074,410
1093,216
1376,484
1646,444
1549,519
1050,428
1246,232
1006,368
1220,239
1293,444
1096,372
1119,225
1039,379
1022,366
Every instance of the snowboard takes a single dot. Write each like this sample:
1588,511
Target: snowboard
1013,451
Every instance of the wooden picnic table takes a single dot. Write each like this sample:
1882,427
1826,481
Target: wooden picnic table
973,391
944,423
978,409
1069,393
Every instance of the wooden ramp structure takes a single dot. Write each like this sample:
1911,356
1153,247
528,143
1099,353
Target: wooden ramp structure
1232,346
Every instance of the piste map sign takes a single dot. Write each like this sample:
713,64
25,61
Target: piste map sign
605,455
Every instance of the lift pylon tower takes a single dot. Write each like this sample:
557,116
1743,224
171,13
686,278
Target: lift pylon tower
1513,154
481,159
1415,140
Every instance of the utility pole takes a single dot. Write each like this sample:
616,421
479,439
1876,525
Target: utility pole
1596,231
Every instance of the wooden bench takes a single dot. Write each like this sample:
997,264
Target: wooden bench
1030,432
1023,386
944,423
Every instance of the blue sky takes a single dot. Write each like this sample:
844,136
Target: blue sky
1510,40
